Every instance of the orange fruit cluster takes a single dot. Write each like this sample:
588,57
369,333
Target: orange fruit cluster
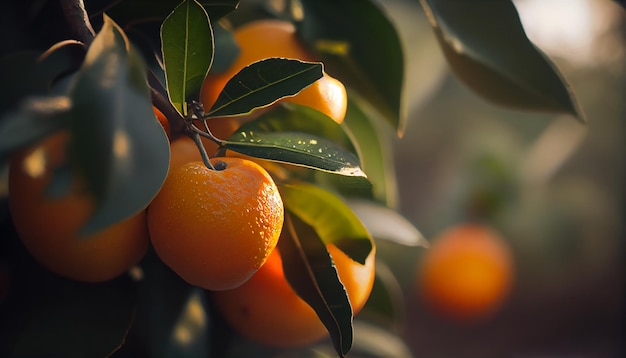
216,227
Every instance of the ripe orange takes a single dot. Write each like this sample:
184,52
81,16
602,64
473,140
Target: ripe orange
215,228
263,39
267,310
163,120
467,272
48,227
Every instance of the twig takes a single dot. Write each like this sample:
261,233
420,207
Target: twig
78,20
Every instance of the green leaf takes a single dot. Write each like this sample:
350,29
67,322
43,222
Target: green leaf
309,269
487,48
121,149
262,84
298,149
387,224
374,150
291,117
129,13
37,118
332,219
370,340
376,342
187,46
359,45
386,304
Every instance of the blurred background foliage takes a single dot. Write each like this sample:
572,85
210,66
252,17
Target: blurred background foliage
556,187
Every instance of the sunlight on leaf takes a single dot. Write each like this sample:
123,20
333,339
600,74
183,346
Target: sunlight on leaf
385,223
262,83
332,218
374,148
187,46
298,149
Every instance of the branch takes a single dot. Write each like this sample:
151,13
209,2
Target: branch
78,20
177,124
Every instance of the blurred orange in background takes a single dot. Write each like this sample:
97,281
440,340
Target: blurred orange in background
467,273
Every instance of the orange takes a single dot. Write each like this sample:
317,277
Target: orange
263,39
49,227
216,228
182,151
162,120
267,310
467,272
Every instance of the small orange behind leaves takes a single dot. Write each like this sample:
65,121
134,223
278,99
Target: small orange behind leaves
263,39
267,310
216,228
467,272
49,227
162,120
182,151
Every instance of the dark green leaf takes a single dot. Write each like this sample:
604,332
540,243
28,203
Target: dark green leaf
226,48
63,318
171,318
387,224
309,269
36,118
298,149
290,117
360,46
374,149
187,45
127,13
332,218
487,48
386,304
370,341
32,74
20,70
376,342
352,187
263,83
121,149
62,59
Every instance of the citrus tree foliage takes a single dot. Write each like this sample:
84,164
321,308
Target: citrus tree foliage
101,86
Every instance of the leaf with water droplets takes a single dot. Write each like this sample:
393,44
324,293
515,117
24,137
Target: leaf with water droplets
296,148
